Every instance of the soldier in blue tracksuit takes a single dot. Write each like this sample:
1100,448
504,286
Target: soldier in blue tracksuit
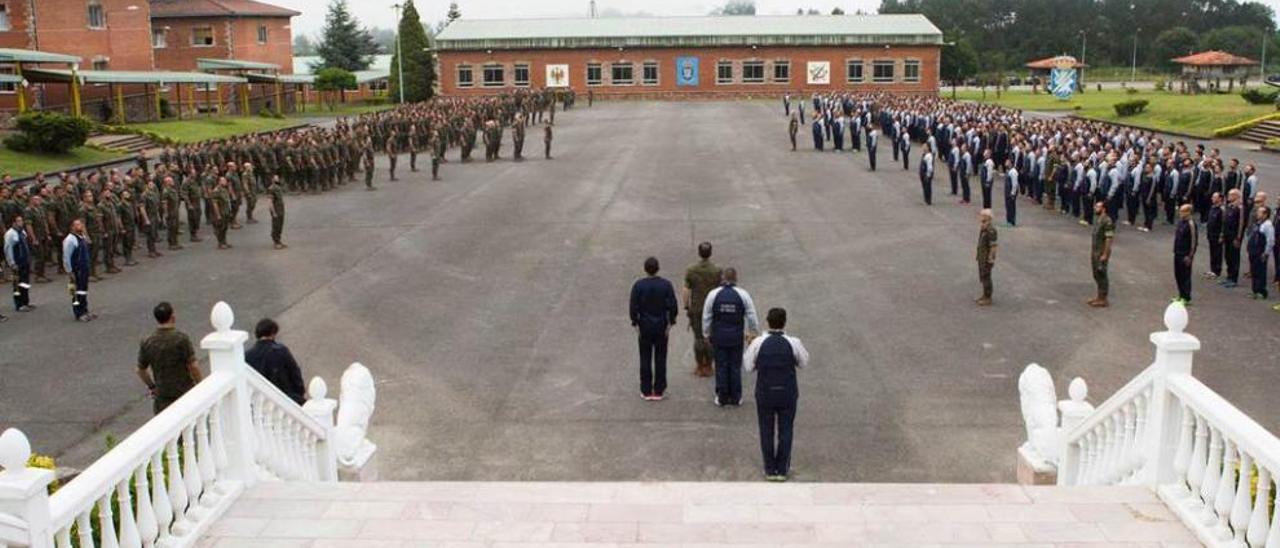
75,259
837,132
1010,193
727,317
775,358
873,139
904,145
817,133
653,312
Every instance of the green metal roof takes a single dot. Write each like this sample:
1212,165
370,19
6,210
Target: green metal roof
8,55
129,77
233,64
769,30
282,78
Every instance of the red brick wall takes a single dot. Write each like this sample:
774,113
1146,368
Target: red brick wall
233,39
708,60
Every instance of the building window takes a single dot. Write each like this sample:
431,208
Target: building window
622,74
100,64
4,17
97,16
8,88
911,71
781,72
724,72
521,75
753,72
494,76
465,78
159,39
202,37
650,76
882,71
262,34
853,71
594,75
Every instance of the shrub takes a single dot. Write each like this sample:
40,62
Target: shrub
1162,85
49,133
1131,91
1130,108
377,101
1257,96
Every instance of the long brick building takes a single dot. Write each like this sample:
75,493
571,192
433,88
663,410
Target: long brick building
692,56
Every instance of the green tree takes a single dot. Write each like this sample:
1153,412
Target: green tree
837,11
959,61
419,65
736,7
1239,40
333,82
344,43
303,46
1172,43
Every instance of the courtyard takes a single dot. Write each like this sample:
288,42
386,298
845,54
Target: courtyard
491,308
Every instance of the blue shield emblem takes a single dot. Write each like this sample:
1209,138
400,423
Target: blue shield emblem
686,71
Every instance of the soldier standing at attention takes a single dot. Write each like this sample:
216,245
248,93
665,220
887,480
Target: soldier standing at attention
775,358
415,144
926,174
128,213
249,189
194,193
1104,233
546,136
438,145
276,194
77,261
167,360
221,199
728,317
17,254
368,164
392,153
1213,232
653,312
873,140
699,279
1185,240
41,241
150,218
171,202
987,247
517,138
793,127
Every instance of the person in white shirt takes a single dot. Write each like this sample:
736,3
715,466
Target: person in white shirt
926,174
728,316
775,358
1260,244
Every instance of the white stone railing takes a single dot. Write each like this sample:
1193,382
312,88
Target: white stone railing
1213,465
167,483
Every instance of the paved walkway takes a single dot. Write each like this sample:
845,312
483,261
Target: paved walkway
602,515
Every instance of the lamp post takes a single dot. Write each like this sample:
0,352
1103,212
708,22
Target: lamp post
399,56
1133,77
1084,43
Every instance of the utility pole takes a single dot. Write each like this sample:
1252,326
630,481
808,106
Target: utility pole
592,12
1134,76
399,56
1084,44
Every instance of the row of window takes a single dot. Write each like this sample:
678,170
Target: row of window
753,72
201,37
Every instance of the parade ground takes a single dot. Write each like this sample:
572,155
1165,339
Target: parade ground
491,308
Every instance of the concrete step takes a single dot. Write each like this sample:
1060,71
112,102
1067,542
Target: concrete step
126,143
1261,132
478,514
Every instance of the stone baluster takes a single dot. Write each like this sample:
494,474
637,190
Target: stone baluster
106,525
1175,351
129,536
177,489
148,529
1240,507
204,460
160,498
1182,460
1109,448
1259,523
63,538
1226,495
1136,460
191,471
218,443
24,492
1212,474
1129,442
1199,457
1091,457
262,450
84,529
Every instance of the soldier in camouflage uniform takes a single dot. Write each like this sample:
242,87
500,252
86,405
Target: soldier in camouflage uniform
276,194
114,230
517,137
249,189
1104,233
192,195
368,164
987,245
96,229
390,148
221,199
171,204
167,361
41,241
150,217
127,212
699,279
437,145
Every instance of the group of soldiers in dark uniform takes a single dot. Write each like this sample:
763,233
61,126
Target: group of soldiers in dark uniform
1098,173
218,183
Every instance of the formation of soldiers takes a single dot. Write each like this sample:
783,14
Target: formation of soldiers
1095,173
218,184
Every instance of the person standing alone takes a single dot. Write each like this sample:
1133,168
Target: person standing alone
1104,233
727,317
653,312
775,358
986,255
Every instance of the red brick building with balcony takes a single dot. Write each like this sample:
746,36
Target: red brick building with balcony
677,57
183,31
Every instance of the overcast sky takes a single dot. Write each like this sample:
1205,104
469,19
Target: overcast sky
379,13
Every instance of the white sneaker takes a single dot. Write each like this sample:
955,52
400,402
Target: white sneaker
718,404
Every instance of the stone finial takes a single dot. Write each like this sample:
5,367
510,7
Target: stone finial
317,390
15,450
1175,317
1078,390
222,317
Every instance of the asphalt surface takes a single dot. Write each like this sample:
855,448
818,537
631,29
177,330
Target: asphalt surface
491,308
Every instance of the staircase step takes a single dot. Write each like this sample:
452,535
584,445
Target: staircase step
708,514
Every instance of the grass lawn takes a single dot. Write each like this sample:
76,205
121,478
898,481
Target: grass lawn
22,164
1195,115
217,127
315,110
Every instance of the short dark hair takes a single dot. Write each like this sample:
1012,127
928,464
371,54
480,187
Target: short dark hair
777,318
163,312
266,327
704,250
651,266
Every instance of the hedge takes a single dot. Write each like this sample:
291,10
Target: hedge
1130,108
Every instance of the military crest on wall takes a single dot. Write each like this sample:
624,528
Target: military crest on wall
819,72
557,76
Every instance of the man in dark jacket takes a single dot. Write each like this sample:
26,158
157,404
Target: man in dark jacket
653,312
274,362
775,358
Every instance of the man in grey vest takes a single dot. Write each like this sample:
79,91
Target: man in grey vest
727,317
775,358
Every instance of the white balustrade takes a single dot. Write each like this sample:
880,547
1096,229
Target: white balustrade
1213,465
166,484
